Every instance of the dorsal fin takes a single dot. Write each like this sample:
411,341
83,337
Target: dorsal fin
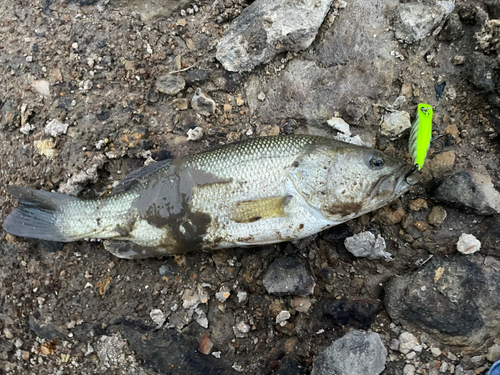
140,176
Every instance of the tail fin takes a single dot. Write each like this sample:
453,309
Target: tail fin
37,215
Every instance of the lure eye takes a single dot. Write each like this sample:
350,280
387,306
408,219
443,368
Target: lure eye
377,162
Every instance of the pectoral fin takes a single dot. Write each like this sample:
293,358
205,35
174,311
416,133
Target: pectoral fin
257,209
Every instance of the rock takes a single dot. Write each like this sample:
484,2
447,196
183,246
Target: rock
493,353
181,103
437,216
42,87
223,294
195,134
453,29
158,317
442,164
468,244
455,299
170,84
301,304
483,71
340,125
490,236
47,331
358,68
202,103
408,342
414,21
196,76
288,276
55,128
355,312
206,344
472,190
109,349
409,369
190,298
436,352
395,123
283,317
241,329
265,29
360,353
365,244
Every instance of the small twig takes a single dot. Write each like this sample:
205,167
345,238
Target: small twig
182,70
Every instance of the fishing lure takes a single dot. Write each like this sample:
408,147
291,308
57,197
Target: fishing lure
420,136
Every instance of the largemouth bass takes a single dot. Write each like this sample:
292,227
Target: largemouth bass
260,191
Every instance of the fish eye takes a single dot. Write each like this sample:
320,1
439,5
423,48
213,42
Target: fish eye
377,162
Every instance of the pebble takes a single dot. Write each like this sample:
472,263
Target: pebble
206,344
195,134
301,304
442,163
202,103
190,298
282,317
42,87
437,216
358,352
365,245
340,125
468,244
223,294
26,128
288,276
409,369
394,345
493,353
395,123
458,60
55,128
242,296
170,84
158,317
418,204
241,329
408,342
181,103
436,352
444,367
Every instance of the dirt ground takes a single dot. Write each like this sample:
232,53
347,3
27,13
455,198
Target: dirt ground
94,65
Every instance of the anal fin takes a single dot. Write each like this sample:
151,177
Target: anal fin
130,250
256,209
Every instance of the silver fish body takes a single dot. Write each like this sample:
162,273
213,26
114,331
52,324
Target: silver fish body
260,191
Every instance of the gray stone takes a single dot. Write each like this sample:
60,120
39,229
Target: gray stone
287,276
455,299
414,21
170,84
202,103
365,244
267,28
360,353
55,128
357,70
472,190
493,353
395,123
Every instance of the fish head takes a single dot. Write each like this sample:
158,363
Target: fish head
347,181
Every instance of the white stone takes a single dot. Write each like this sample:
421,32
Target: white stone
365,244
409,370
195,134
468,244
340,125
282,317
407,342
436,352
395,123
41,86
158,317
55,128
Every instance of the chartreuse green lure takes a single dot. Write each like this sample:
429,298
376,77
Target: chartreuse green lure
420,136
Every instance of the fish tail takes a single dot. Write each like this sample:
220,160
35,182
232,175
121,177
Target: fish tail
38,215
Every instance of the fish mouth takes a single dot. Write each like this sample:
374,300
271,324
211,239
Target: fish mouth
395,184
